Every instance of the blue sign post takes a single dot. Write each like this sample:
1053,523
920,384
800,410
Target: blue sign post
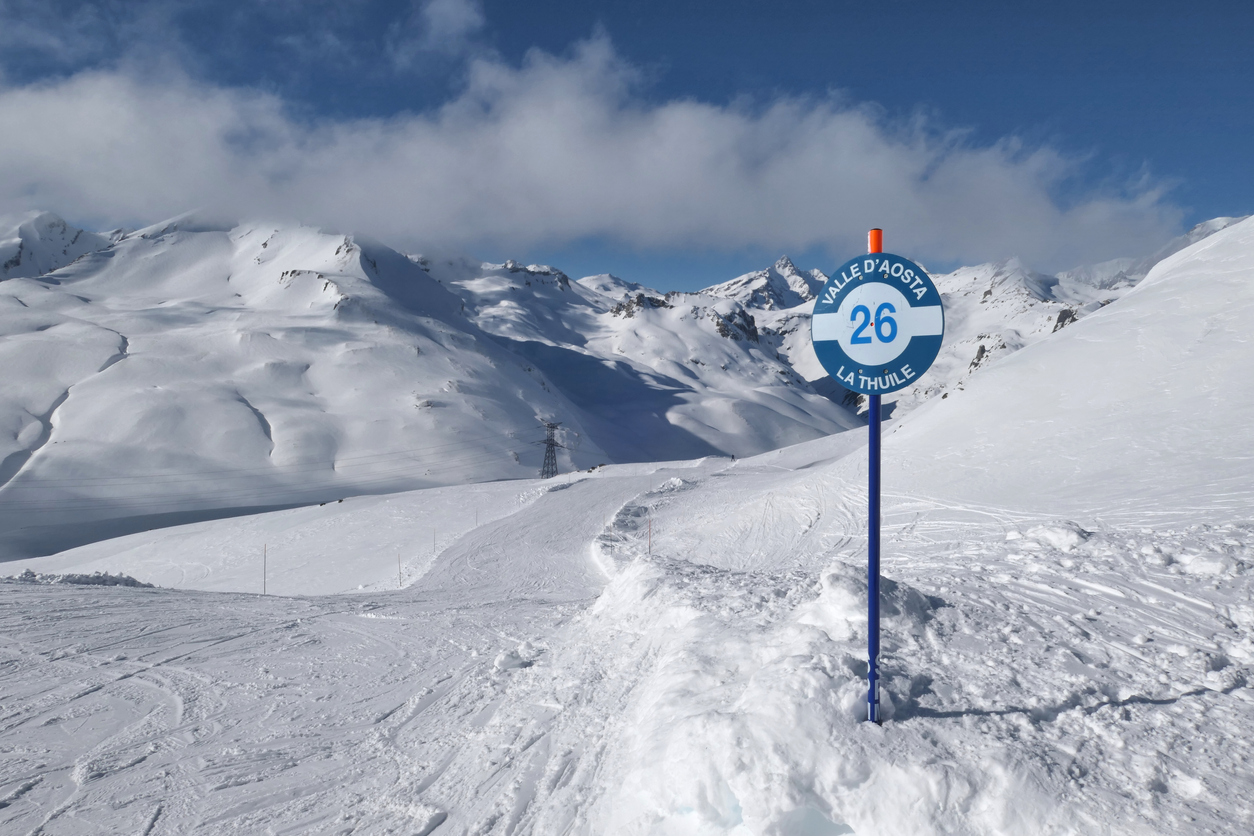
877,326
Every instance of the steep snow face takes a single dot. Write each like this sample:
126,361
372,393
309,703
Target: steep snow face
994,310
780,286
35,243
1096,419
1123,273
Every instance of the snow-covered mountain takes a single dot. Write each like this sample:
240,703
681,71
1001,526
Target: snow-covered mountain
194,368
656,376
991,311
36,243
197,368
1067,647
778,287
1078,284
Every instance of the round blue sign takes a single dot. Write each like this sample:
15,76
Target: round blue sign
877,324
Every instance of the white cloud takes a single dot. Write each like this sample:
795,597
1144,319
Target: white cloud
555,150
435,26
452,20
70,35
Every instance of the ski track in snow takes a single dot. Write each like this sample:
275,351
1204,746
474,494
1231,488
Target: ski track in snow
547,675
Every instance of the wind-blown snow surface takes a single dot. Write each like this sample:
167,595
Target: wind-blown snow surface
1068,640
195,369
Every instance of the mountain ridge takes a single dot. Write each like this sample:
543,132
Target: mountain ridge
248,365
195,365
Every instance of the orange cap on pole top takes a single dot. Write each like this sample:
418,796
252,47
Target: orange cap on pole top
875,241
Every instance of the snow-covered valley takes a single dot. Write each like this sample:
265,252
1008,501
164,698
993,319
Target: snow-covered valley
194,369
644,647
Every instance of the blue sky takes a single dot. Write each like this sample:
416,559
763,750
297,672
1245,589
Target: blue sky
676,143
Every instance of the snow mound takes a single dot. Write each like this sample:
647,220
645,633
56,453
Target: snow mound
1063,537
79,579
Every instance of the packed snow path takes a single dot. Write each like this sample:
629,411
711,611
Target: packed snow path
1044,679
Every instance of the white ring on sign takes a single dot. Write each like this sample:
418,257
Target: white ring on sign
856,319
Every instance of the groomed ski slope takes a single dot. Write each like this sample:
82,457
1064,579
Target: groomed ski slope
1068,644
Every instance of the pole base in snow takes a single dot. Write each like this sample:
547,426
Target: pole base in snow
873,560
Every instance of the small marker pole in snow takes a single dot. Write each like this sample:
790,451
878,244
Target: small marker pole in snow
399,583
263,568
874,244
878,323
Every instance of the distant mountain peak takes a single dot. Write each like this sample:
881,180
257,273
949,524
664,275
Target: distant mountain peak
785,267
35,243
531,271
778,287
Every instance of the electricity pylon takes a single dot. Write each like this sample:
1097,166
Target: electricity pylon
549,470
